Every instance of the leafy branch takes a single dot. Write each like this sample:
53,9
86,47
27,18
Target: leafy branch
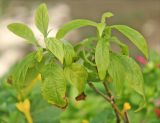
60,63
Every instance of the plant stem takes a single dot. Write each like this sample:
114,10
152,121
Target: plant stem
118,120
108,90
99,92
126,119
110,100
116,110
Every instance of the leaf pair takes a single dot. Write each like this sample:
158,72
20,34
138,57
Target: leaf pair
41,21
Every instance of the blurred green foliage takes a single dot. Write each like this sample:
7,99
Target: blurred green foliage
94,109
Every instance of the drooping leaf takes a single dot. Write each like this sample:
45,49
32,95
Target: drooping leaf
69,53
102,57
54,85
135,37
124,47
77,75
42,19
125,72
135,81
24,72
135,78
56,47
87,43
72,25
23,31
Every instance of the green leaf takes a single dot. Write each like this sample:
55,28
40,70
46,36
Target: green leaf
86,43
72,25
135,37
56,47
124,47
125,72
24,72
54,85
77,75
117,70
102,57
23,31
135,78
69,53
42,19
106,15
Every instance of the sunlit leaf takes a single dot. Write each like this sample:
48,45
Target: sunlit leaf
42,19
23,31
135,37
102,57
72,25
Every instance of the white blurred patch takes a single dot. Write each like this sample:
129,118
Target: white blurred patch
7,59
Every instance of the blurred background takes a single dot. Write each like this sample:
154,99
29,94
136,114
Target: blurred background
143,15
